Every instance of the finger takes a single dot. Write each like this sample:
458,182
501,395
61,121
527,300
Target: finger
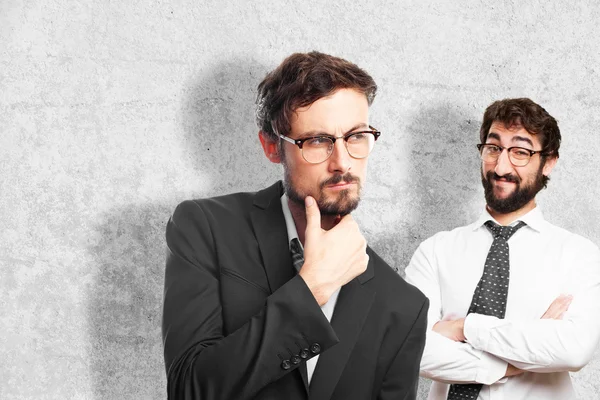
558,307
313,215
554,309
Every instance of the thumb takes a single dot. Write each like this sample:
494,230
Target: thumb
313,215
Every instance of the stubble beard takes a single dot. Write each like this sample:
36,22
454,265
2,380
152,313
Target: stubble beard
344,202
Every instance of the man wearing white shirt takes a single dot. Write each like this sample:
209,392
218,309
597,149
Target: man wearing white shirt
514,300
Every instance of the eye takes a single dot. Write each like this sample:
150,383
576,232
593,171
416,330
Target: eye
493,149
520,153
358,137
320,141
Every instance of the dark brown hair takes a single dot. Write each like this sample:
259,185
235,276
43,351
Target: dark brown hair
300,80
524,113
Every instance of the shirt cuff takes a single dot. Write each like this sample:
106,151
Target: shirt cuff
477,329
491,369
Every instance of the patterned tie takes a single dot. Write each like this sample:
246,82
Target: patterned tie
491,292
297,253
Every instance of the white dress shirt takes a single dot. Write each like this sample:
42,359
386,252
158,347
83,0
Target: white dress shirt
328,307
545,261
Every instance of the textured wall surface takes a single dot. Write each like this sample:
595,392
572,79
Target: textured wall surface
112,112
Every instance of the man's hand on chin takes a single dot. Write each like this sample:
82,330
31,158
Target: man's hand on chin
453,330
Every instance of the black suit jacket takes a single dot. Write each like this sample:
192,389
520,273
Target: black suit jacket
239,322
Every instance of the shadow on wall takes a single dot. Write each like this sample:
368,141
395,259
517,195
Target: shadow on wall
444,169
443,179
218,134
444,175
220,129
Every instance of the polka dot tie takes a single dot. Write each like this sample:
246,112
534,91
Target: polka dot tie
491,292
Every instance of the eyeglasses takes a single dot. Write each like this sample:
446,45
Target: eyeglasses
316,149
518,156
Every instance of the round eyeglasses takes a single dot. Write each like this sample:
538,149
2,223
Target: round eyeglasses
518,156
316,149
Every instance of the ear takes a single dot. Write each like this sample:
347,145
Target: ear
549,165
270,147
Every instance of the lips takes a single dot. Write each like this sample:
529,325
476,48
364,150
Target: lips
508,178
504,182
340,181
341,185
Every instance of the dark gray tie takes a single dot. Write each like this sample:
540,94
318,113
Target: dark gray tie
297,254
491,292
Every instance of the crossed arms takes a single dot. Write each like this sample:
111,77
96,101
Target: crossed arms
484,349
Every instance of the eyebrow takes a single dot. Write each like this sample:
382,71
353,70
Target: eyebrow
360,125
494,135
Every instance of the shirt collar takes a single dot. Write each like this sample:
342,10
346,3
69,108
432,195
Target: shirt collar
289,220
534,219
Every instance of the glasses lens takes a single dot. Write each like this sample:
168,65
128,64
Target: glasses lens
360,144
490,153
317,149
519,157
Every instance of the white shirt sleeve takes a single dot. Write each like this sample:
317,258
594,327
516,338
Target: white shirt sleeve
546,345
445,360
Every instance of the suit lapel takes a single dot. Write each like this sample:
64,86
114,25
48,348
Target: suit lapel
351,311
271,234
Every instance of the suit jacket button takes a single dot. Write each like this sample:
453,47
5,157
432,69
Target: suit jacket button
304,354
285,364
295,360
315,348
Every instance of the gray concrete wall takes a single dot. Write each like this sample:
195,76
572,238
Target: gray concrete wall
112,112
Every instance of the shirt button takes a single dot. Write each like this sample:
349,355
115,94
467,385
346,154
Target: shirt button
315,348
285,364
304,354
295,360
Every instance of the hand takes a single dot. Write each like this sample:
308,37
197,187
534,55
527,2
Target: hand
558,308
331,258
511,370
453,330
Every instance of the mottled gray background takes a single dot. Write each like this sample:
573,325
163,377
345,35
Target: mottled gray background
112,112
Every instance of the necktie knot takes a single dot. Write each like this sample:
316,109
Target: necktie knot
503,232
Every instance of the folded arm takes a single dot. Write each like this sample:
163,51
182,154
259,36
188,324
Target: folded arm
563,339
555,344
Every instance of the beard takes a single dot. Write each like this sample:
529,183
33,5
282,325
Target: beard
342,205
518,198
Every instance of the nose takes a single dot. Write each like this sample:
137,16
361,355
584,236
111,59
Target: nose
340,160
503,164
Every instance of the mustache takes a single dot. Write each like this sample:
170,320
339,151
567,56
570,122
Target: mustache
508,177
334,180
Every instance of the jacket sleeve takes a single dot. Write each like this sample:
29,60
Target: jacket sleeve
201,362
445,360
402,379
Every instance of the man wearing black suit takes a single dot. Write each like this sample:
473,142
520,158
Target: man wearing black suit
274,294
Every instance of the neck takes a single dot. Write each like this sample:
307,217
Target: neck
509,218
299,215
